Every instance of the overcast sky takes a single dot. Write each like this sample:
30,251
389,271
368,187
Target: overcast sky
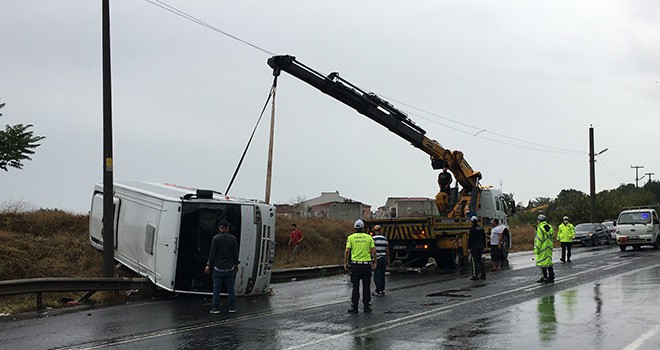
533,74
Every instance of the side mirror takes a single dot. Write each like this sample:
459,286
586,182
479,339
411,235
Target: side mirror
614,223
656,221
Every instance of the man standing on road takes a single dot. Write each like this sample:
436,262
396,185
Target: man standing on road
382,260
543,249
476,244
295,240
223,260
565,235
360,259
496,239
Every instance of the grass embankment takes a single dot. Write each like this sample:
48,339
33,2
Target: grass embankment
44,243
54,243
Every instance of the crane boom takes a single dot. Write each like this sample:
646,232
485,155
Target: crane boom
385,114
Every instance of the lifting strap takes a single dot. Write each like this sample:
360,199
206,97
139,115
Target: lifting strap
240,162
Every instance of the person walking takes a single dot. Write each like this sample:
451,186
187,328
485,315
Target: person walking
223,260
496,239
565,236
360,259
295,240
543,249
476,244
382,260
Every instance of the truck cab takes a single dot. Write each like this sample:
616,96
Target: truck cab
638,227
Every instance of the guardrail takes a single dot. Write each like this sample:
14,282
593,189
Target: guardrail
39,286
282,275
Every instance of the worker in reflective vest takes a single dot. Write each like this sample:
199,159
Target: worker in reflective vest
565,235
543,250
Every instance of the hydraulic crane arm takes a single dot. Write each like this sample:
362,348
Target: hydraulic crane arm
385,114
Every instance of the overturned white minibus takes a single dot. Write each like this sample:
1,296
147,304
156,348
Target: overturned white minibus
164,231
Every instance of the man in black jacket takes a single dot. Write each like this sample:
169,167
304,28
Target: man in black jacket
476,245
223,260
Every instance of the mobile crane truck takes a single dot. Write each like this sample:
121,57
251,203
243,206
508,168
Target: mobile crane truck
414,240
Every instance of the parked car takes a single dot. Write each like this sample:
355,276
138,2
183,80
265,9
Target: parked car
592,233
610,225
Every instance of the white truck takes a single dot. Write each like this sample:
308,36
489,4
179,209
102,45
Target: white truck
638,227
163,232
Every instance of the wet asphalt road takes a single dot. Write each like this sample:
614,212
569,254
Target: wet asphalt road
604,299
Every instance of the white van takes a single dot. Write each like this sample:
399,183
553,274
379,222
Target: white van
163,232
638,227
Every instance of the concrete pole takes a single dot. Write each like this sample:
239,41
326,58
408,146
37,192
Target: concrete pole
592,177
108,178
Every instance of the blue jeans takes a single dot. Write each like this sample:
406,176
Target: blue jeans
228,279
379,274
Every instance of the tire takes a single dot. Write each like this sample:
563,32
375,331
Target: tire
595,242
505,249
623,248
656,245
446,259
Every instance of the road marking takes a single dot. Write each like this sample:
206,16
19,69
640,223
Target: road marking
383,326
368,330
643,338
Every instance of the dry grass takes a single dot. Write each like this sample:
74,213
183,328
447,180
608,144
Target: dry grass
324,241
54,243
45,243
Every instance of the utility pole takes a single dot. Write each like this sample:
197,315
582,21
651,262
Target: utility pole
108,178
649,174
269,167
637,178
592,175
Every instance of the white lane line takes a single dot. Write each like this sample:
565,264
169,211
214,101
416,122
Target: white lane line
643,338
613,266
383,326
406,319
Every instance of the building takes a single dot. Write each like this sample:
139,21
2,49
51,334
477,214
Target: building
329,205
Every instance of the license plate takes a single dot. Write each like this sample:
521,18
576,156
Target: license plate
399,247
633,237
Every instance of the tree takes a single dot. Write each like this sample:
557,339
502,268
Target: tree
17,143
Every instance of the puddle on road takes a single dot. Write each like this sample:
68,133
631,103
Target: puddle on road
397,312
456,293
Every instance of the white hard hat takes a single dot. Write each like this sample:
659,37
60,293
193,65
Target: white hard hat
565,217
541,217
474,218
358,223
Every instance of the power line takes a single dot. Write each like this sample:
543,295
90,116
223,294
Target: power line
180,13
607,169
479,131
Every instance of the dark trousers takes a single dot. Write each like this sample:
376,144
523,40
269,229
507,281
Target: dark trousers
566,250
228,279
548,273
379,274
478,268
361,273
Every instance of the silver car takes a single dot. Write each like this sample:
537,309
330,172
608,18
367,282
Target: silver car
610,225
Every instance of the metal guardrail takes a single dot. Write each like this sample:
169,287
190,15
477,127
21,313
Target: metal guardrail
63,284
282,275
39,286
